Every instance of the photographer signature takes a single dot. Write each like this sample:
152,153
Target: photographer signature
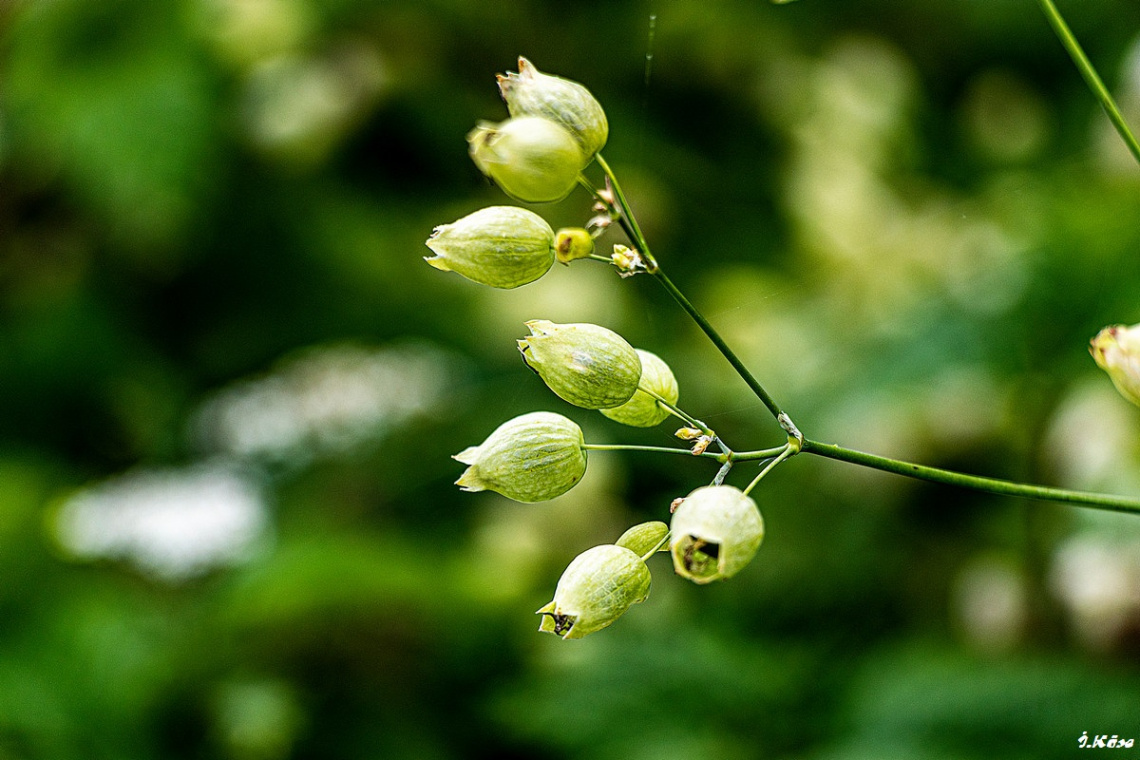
1103,741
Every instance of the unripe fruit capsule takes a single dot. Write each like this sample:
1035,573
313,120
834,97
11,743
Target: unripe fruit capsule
716,531
500,246
534,457
585,364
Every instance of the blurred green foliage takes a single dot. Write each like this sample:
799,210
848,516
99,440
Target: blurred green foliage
909,218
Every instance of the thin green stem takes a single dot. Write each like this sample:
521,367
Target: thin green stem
788,451
655,449
630,225
977,483
627,216
1084,65
680,413
744,456
664,540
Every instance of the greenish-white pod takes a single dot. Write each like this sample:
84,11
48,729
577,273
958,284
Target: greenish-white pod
500,246
1116,350
596,588
585,364
534,457
716,532
532,159
532,93
644,537
642,409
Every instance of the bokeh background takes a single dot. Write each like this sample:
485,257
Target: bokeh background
230,388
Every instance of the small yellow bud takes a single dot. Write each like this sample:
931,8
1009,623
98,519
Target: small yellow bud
500,246
585,364
640,539
531,158
716,531
594,591
534,457
532,93
573,243
1116,350
627,260
642,410
688,434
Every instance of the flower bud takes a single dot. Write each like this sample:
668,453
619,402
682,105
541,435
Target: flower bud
534,457
587,365
716,532
641,539
531,158
595,590
1116,350
642,410
500,246
573,243
532,93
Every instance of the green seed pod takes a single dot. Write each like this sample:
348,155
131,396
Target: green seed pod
716,532
532,93
1116,350
587,365
531,158
594,591
640,539
500,246
534,457
572,243
642,410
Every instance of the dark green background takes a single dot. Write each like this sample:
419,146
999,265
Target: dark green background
909,217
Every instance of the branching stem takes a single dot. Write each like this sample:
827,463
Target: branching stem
975,482
629,224
619,209
787,451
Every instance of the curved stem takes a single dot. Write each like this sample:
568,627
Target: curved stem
787,452
655,449
680,414
744,456
664,540
989,485
629,224
1091,77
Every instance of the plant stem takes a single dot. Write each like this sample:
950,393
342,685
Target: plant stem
629,224
656,449
744,456
664,540
1091,77
788,451
989,485
679,413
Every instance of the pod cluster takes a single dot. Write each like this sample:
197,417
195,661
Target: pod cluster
555,129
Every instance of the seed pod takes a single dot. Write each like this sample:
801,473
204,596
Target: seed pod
532,93
594,591
716,532
500,246
534,457
531,158
1116,350
642,410
572,243
585,364
640,539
